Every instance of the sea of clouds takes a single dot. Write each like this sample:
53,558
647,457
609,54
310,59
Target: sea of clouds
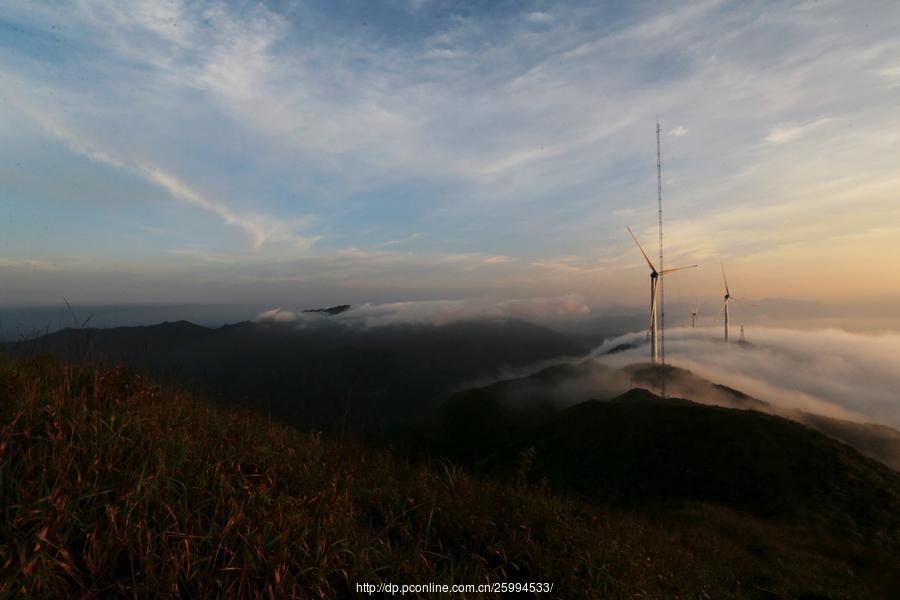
439,312
831,372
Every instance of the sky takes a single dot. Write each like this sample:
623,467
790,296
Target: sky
316,153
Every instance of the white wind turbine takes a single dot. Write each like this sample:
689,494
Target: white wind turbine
654,279
728,298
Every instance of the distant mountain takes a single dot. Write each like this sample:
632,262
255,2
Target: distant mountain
875,441
638,448
519,403
325,374
331,310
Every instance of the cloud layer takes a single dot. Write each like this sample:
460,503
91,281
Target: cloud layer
438,312
829,372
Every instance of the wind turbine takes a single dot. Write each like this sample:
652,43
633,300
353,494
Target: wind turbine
694,317
654,279
728,298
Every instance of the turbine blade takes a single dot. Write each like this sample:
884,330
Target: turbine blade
666,271
721,308
652,268
725,279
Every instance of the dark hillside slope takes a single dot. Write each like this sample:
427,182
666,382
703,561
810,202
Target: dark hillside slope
111,486
641,448
475,423
517,405
875,441
324,375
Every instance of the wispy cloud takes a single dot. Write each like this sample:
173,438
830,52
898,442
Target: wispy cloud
475,129
539,17
261,228
398,242
790,132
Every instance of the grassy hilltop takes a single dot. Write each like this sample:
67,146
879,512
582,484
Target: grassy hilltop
113,485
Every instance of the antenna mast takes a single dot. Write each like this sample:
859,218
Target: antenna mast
662,297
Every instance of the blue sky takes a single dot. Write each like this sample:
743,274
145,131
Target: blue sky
305,153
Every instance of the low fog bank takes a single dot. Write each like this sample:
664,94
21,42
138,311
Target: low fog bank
829,372
562,385
436,312
851,376
843,385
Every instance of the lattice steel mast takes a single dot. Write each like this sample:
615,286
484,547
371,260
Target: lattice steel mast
662,266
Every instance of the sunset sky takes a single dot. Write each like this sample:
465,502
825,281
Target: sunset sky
328,152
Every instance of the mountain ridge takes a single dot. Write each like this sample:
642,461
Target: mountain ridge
323,374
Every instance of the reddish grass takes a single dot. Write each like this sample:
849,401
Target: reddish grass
111,485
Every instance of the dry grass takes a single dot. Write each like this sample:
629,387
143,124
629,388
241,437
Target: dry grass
111,485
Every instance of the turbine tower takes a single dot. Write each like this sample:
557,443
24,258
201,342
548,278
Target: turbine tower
728,298
654,281
694,318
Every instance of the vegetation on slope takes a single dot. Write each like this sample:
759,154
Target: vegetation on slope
112,485
641,448
325,375
497,415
